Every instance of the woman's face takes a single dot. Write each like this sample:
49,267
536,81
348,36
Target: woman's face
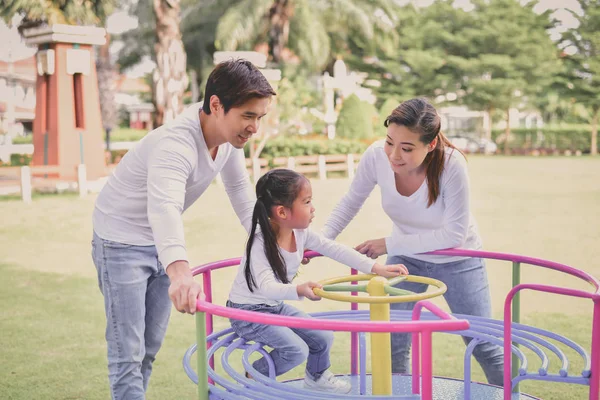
405,150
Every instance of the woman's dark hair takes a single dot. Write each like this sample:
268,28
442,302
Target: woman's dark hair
278,187
420,117
235,82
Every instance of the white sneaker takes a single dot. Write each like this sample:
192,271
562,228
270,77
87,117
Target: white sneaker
327,383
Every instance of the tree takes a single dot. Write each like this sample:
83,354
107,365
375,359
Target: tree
424,58
511,57
583,65
295,94
199,19
71,12
305,27
170,78
199,22
106,89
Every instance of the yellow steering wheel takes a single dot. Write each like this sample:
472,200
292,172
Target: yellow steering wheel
330,287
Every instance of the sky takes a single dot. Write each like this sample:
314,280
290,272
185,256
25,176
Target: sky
14,47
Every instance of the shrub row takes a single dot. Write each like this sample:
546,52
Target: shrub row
293,147
547,138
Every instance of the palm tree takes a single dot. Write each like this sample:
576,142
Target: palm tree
303,26
170,78
72,12
105,70
198,24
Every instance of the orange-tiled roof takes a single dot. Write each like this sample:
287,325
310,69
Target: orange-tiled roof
24,67
131,85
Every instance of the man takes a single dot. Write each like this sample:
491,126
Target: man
138,246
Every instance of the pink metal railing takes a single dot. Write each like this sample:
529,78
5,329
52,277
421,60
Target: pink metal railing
423,329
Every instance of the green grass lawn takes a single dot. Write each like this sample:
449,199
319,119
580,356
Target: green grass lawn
53,320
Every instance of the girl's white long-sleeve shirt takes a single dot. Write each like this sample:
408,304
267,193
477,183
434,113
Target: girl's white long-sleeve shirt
164,174
269,290
416,228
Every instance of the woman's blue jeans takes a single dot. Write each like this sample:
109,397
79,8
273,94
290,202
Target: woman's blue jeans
468,293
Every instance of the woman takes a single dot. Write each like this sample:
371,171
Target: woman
425,192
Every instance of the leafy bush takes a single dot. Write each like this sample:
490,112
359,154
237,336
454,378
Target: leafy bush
355,120
18,160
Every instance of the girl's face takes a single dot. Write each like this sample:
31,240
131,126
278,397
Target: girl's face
302,211
405,150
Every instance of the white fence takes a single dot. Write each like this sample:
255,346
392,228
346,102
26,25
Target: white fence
28,178
25,180
319,165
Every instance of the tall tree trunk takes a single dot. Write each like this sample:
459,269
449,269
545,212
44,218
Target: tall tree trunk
507,131
279,29
194,85
106,89
169,79
594,144
490,124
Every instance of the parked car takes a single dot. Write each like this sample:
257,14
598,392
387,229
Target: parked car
469,144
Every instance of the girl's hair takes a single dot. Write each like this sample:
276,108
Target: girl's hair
278,187
420,117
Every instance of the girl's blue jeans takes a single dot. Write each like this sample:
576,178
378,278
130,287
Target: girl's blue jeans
291,346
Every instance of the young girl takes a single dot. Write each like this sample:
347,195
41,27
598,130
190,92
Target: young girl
424,186
283,212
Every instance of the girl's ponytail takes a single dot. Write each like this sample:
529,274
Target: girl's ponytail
247,272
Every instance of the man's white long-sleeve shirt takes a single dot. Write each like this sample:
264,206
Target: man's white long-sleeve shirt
164,174
269,289
447,223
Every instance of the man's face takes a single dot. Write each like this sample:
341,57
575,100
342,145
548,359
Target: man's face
240,123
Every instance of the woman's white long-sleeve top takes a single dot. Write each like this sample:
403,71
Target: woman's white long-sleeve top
417,228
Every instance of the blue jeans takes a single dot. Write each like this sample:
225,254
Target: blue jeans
137,305
291,346
468,293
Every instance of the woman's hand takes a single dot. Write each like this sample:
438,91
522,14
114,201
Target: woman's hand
389,271
372,248
306,290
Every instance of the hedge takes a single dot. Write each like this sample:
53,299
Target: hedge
294,146
571,138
